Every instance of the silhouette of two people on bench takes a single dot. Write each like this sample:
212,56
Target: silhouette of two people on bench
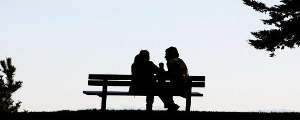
143,71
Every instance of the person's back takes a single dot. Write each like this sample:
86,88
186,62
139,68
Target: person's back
177,71
176,67
143,77
143,82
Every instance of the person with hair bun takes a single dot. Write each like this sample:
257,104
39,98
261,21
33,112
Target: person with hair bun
177,71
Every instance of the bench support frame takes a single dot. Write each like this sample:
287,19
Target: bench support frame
188,100
104,96
104,81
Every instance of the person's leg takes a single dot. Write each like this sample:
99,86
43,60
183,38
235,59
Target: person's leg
167,100
149,102
169,103
166,97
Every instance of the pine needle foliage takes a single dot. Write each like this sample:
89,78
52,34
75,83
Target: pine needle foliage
286,19
8,86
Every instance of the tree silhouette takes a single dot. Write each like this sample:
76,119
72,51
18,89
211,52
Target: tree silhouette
286,19
8,86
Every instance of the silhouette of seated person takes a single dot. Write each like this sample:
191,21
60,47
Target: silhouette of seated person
143,82
143,71
177,72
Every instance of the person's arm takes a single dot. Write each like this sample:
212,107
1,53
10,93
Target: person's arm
132,69
154,68
183,67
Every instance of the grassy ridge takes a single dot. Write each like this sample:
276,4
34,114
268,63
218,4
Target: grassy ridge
138,114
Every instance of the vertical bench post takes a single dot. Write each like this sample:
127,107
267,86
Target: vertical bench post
188,97
104,95
188,102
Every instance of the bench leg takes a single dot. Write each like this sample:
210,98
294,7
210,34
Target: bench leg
103,102
104,95
188,104
188,100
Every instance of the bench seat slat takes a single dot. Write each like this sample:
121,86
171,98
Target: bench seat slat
127,93
129,77
127,83
197,78
110,77
108,83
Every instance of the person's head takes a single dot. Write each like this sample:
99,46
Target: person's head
144,55
137,58
171,53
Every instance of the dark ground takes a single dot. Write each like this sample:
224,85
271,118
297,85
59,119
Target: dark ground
155,115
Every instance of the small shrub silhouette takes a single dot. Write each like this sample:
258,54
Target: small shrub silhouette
8,86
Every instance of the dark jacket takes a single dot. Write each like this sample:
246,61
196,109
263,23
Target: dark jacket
143,77
177,70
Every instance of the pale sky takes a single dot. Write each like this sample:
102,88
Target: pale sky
55,44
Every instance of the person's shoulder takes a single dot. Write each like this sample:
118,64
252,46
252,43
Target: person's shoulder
151,63
134,64
175,60
180,60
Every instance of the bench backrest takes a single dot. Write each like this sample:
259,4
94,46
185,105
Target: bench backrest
125,80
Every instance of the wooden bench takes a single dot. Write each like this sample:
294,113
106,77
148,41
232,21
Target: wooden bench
106,80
